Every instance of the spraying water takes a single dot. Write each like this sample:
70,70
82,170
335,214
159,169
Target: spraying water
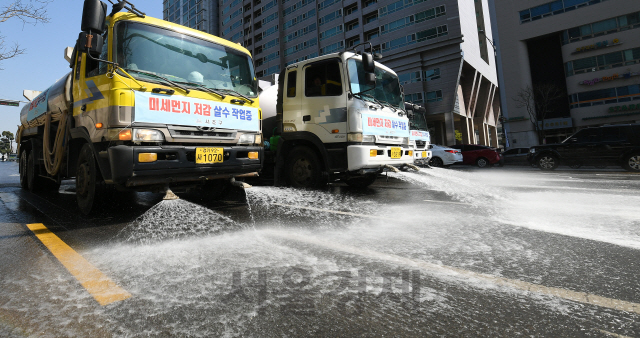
176,218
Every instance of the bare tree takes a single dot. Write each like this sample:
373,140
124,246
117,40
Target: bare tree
538,101
30,12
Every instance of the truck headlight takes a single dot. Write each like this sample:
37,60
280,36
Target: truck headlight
405,140
368,138
247,139
412,143
532,150
354,137
147,135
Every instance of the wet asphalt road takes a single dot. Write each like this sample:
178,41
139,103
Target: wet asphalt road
500,252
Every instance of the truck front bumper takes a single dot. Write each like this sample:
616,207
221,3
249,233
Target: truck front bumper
177,164
359,157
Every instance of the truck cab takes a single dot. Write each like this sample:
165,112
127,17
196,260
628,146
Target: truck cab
340,116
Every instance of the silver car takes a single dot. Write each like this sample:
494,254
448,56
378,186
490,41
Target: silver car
444,156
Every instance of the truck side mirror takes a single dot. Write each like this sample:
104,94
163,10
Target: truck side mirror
370,78
94,13
367,63
96,41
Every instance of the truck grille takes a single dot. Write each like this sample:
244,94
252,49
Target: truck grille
194,132
389,139
421,144
202,133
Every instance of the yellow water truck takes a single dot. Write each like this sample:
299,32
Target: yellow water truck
148,105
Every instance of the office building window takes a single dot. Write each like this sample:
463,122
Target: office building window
553,8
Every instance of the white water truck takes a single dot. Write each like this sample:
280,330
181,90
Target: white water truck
420,136
335,117
148,105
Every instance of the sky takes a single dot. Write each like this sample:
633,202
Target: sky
43,62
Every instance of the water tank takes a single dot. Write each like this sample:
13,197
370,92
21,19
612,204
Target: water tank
56,98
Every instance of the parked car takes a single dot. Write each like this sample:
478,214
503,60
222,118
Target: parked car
482,156
516,156
442,156
598,146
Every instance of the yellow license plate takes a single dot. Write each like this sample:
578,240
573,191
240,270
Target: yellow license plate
209,155
396,152
424,154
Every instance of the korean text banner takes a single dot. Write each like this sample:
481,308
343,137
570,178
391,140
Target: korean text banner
420,135
384,125
185,111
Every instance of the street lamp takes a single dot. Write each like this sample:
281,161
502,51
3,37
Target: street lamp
495,52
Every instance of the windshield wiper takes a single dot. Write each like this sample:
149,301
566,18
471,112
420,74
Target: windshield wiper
158,77
236,94
204,88
371,97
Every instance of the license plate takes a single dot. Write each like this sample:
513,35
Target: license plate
209,155
396,152
424,154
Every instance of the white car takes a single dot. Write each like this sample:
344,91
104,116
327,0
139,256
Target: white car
444,156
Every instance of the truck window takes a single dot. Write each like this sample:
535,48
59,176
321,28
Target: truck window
291,84
94,67
323,80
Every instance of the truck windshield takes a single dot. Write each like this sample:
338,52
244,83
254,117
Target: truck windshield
183,58
418,122
387,88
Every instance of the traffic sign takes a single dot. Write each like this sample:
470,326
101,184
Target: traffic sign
9,103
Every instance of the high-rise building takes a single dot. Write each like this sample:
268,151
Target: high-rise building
583,55
197,14
439,48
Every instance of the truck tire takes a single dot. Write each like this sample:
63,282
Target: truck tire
632,162
22,169
362,181
547,162
34,182
88,185
303,168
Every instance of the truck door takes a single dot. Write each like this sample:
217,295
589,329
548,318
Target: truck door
324,108
292,98
90,92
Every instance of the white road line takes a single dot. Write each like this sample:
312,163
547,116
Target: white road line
449,202
334,212
575,296
564,188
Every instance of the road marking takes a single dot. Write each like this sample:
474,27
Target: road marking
450,202
575,296
333,211
613,334
103,289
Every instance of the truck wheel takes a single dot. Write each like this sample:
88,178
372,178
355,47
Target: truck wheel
362,181
34,182
632,162
303,168
22,169
547,162
88,188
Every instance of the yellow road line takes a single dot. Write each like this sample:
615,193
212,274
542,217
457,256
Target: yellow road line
103,289
575,296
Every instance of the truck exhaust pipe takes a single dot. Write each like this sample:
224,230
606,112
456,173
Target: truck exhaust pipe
169,195
239,184
391,168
